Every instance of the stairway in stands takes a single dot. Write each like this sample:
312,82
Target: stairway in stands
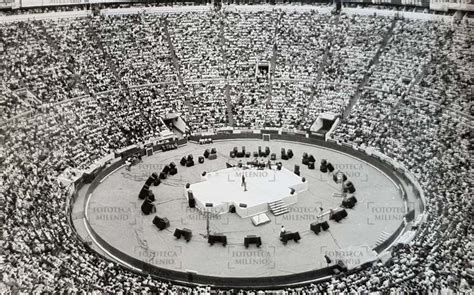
382,238
278,208
375,59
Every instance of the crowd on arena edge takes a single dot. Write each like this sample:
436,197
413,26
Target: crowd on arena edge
91,85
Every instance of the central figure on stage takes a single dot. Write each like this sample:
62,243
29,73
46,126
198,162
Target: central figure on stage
244,184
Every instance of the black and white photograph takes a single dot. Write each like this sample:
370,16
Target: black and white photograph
249,147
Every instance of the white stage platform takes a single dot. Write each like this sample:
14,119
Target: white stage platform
224,188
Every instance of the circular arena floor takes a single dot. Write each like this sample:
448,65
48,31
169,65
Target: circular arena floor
114,213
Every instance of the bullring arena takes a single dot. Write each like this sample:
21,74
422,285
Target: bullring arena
236,148
113,213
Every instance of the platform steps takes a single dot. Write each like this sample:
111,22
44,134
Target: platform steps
382,238
278,208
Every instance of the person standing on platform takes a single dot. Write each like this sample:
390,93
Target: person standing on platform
282,231
128,164
244,183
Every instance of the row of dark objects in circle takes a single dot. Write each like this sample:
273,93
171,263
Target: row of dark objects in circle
348,187
186,234
189,160
147,195
316,227
337,215
155,179
327,167
285,155
310,161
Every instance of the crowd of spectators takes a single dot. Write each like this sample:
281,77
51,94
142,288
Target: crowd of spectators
137,47
31,60
97,84
354,43
302,40
206,109
283,94
197,41
248,40
84,56
409,49
423,130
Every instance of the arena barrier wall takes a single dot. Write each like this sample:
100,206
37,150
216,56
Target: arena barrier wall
273,282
